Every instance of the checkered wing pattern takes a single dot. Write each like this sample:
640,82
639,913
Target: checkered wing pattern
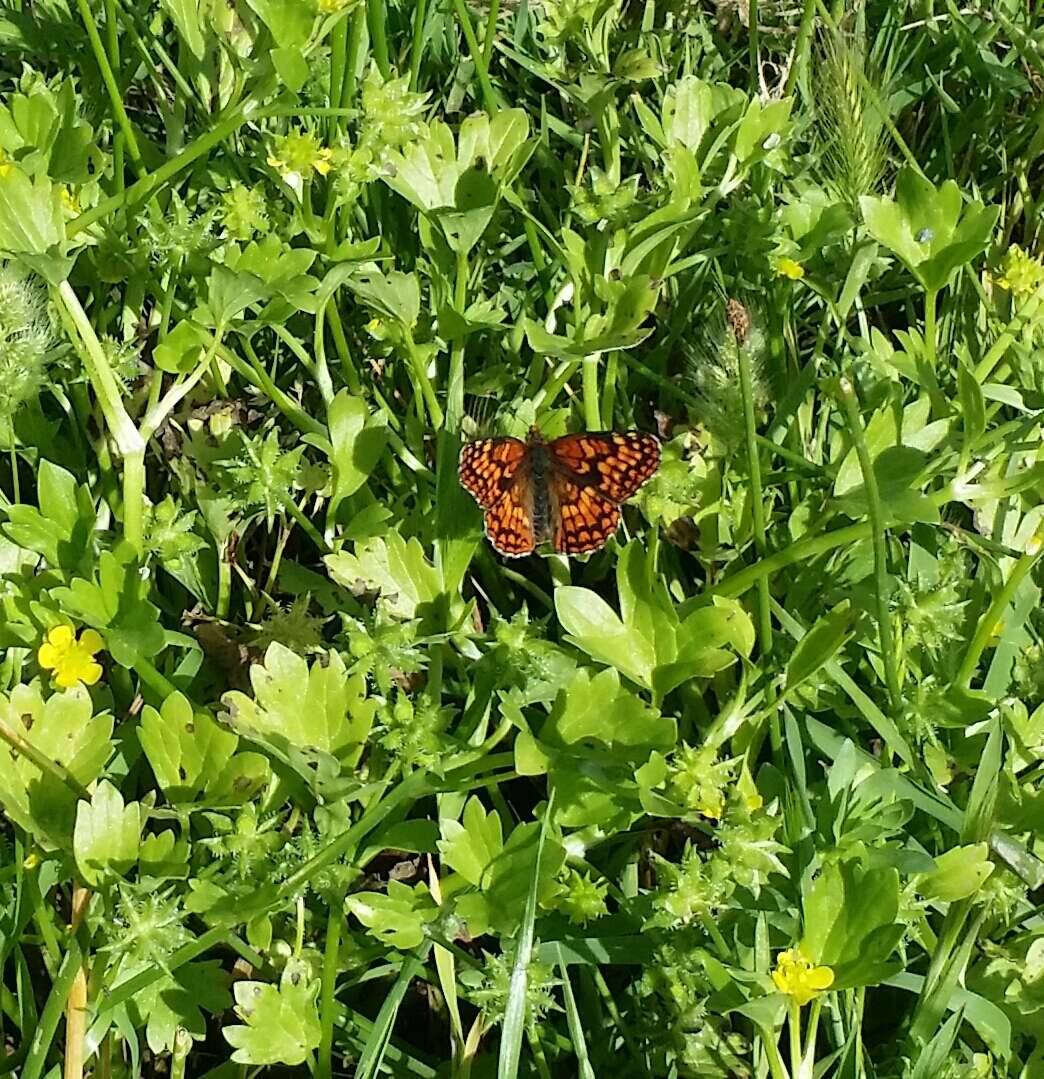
616,463
582,519
488,467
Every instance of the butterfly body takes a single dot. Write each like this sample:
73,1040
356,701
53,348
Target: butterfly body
567,491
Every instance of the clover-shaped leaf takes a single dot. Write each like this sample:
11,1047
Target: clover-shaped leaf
320,708
931,229
281,1022
107,834
65,730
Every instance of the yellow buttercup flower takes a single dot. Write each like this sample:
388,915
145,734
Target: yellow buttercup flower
1023,273
70,659
798,978
789,268
299,154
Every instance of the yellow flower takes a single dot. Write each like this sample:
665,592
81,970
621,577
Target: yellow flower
71,660
789,268
1023,273
6,165
299,154
798,978
69,201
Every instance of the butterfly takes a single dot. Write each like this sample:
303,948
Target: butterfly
567,490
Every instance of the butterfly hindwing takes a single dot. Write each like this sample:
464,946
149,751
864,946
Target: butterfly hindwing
488,467
582,519
509,521
617,463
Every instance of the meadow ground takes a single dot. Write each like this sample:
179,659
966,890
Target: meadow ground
297,772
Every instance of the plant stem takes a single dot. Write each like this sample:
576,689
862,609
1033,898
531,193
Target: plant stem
115,97
879,537
589,372
990,620
489,95
757,505
420,11
377,20
328,996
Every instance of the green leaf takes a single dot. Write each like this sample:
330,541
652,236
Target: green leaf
281,1023
592,746
394,295
177,1001
181,350
321,707
65,730
959,873
973,407
290,21
191,755
31,221
115,603
930,228
469,845
291,66
185,15
358,439
60,531
106,836
409,585
229,294
820,644
595,628
850,919
397,919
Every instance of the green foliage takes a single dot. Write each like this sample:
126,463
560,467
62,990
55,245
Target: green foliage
751,791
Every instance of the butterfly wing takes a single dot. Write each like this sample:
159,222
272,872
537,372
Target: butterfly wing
509,521
582,518
488,467
616,463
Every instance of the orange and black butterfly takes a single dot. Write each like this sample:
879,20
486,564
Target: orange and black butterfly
568,490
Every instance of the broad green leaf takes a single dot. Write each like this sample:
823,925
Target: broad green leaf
820,644
397,918
410,586
190,754
932,230
182,349
358,439
61,529
177,1002
186,18
959,873
394,295
106,835
290,21
595,628
850,921
281,1023
596,739
65,730
469,845
115,603
321,707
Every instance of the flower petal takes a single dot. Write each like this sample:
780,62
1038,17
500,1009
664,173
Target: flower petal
91,641
47,657
90,672
61,636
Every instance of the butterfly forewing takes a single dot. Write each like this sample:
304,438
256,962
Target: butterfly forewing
488,467
582,519
616,463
